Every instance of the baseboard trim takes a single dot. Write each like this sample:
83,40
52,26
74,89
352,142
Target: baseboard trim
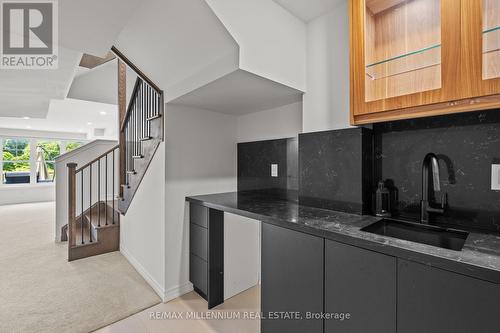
177,291
143,272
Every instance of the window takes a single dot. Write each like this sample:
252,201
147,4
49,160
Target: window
31,161
16,165
46,154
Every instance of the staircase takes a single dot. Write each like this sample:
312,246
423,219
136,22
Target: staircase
102,189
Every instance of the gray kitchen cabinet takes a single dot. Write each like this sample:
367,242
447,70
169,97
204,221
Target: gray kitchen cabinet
433,300
362,284
206,253
292,280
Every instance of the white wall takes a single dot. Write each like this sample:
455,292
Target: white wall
79,156
326,102
278,123
97,85
28,133
142,229
272,41
200,159
24,193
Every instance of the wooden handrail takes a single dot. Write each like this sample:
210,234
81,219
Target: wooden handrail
135,68
130,103
97,158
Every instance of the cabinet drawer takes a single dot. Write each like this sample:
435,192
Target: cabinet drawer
198,215
198,240
198,273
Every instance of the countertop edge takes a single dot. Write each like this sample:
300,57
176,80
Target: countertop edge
467,269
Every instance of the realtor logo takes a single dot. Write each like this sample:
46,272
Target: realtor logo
29,34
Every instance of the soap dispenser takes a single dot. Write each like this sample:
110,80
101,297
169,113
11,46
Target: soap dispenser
382,200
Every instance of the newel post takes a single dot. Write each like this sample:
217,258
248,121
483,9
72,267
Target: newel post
71,203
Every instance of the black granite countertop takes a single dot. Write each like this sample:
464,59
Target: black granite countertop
479,258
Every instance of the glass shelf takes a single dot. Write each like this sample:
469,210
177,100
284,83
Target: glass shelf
405,63
491,40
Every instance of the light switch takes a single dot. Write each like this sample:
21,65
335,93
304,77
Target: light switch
274,170
495,177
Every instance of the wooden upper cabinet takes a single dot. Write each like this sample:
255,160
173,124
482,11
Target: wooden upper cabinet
414,58
481,46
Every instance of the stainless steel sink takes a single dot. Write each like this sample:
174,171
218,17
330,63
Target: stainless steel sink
421,233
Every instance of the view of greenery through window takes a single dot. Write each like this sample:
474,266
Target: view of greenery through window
17,159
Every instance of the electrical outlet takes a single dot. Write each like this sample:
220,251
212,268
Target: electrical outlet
274,170
495,177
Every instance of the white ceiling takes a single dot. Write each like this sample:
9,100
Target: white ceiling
28,92
306,10
89,26
238,93
70,116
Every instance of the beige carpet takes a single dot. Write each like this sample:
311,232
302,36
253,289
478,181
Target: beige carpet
40,291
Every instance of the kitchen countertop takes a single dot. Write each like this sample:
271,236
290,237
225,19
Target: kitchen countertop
479,258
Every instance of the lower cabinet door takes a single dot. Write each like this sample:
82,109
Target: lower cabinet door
432,300
198,274
292,281
360,290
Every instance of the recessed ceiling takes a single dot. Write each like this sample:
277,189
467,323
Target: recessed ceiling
306,10
71,116
238,93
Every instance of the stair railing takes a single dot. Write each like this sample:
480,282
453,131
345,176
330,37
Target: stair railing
89,187
145,105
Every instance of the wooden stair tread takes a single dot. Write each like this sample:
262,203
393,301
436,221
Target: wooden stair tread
102,219
154,117
77,234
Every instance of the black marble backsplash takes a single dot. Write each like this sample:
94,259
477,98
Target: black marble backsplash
338,169
335,170
466,144
254,167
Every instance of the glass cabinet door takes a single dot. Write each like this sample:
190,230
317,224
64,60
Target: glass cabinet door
491,39
402,47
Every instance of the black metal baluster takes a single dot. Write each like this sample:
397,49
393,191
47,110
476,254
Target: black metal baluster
150,111
134,128
146,113
113,202
129,150
141,127
137,122
132,147
99,192
137,128
81,219
148,123
153,111
90,203
158,104
106,191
